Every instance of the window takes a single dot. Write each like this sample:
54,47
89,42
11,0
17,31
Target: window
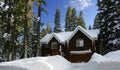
79,43
54,45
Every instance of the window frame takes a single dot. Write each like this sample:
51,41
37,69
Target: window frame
54,45
79,42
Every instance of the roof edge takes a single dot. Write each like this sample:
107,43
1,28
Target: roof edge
82,30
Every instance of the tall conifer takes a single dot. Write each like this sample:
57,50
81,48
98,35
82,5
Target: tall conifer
73,24
68,19
57,27
109,16
80,20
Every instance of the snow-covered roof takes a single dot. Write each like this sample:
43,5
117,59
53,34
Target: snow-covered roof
62,37
93,33
45,38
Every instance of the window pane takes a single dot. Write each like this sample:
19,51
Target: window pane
79,43
54,45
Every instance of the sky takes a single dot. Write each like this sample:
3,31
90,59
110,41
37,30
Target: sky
88,7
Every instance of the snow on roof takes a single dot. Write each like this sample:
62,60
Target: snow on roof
88,33
45,38
61,37
66,36
93,33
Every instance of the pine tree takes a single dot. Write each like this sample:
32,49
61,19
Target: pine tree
96,24
57,27
80,20
16,17
15,29
48,29
73,24
109,15
68,19
90,27
44,32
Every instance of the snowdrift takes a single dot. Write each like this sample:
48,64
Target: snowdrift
114,55
110,61
37,63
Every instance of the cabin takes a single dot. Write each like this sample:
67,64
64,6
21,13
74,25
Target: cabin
75,46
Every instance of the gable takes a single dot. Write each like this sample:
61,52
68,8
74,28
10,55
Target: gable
79,28
48,37
79,35
53,40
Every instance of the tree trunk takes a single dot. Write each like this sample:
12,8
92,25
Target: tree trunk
8,31
25,30
38,30
13,38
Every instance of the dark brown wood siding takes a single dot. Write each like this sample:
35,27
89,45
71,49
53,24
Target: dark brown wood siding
45,50
48,51
80,35
80,57
88,44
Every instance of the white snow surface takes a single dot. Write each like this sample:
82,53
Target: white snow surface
1,3
113,56
93,33
109,61
37,63
97,58
113,41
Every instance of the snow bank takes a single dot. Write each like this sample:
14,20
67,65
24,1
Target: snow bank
59,63
99,58
110,61
12,68
37,63
114,55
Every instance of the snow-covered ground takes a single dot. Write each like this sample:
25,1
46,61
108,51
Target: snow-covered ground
109,61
